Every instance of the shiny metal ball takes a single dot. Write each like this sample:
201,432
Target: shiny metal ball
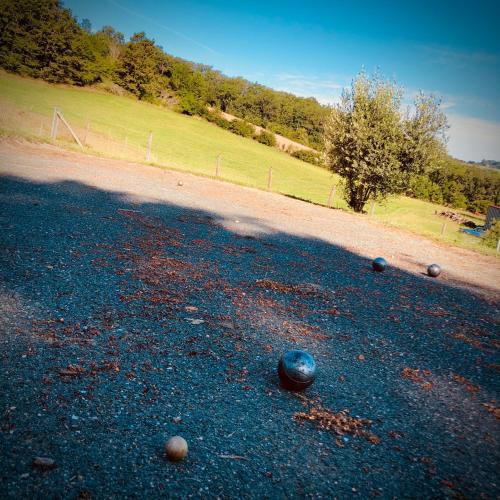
297,370
379,264
434,270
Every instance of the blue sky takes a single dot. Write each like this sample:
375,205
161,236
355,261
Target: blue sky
315,48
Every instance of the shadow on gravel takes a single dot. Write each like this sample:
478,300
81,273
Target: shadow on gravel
125,323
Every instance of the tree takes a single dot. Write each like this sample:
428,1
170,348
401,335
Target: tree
374,147
188,104
86,25
43,40
113,39
142,68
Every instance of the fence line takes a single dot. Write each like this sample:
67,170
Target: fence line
96,138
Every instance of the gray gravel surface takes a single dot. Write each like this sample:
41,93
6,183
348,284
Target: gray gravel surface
128,318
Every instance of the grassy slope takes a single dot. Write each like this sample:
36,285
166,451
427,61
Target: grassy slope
193,144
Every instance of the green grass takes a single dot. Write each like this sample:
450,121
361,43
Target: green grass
192,144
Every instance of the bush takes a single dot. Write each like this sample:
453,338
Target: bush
218,119
308,156
479,206
242,128
423,188
267,138
492,236
189,105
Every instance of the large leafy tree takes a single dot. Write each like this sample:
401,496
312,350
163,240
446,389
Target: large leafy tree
43,40
377,149
143,68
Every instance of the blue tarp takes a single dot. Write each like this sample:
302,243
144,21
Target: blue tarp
478,231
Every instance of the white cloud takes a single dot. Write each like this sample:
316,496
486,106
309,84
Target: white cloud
326,91
473,138
469,138
448,105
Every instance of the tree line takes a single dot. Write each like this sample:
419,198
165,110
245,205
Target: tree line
41,39
459,185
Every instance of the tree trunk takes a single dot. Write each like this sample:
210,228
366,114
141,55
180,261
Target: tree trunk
357,199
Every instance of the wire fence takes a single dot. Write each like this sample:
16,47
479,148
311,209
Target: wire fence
138,145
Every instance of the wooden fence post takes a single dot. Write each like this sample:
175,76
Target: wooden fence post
71,131
443,228
217,166
53,130
150,143
270,178
372,208
87,129
331,196
498,246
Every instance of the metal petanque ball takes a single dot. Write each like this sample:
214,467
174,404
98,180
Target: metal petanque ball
434,270
297,370
379,264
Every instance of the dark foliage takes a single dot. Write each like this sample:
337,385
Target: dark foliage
459,185
41,39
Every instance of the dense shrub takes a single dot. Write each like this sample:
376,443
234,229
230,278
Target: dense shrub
308,156
218,119
242,128
459,185
424,189
267,138
189,105
492,236
479,206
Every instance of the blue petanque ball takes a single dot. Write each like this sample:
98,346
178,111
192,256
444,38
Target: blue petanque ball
297,370
434,270
379,264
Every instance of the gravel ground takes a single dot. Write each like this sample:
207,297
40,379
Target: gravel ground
133,309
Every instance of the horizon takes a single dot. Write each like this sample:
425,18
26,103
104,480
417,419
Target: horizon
316,52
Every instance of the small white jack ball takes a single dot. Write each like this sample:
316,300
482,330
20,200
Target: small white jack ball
176,448
180,183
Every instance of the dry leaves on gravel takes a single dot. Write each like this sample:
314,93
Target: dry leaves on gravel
339,423
469,386
492,409
417,376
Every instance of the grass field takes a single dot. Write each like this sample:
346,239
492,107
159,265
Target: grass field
120,126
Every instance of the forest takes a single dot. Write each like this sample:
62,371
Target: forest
42,39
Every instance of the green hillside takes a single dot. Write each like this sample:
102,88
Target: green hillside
119,127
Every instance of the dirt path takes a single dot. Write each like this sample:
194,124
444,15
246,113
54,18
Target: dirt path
284,143
256,211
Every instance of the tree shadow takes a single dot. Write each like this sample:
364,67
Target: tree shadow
124,323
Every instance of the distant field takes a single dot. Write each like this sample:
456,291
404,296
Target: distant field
120,126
